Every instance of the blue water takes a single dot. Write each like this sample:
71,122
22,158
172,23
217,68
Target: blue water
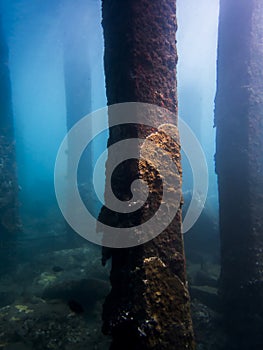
35,34
38,34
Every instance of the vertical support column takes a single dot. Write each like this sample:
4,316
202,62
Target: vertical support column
8,178
77,76
239,165
148,307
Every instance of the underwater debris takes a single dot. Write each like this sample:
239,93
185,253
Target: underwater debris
78,294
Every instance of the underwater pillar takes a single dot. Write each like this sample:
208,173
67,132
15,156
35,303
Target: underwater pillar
77,77
9,222
148,306
78,95
239,165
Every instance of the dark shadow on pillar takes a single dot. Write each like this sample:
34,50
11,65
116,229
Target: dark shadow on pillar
239,165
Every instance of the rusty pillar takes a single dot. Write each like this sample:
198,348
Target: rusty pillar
148,306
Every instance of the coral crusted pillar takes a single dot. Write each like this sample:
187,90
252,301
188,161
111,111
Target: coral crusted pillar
148,306
239,165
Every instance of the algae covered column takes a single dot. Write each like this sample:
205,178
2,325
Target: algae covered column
8,179
148,306
239,165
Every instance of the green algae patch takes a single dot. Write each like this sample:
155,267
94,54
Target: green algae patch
46,279
24,308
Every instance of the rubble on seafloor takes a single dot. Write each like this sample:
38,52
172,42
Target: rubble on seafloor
55,302
50,303
205,305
